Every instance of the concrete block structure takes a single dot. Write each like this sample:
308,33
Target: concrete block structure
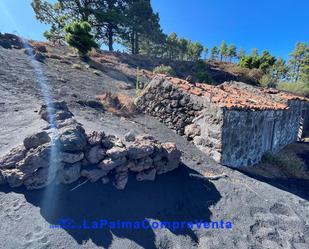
235,123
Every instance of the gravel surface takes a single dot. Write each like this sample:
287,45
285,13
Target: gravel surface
264,214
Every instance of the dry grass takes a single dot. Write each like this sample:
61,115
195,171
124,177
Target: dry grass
246,74
96,72
54,56
119,104
39,46
95,53
77,66
288,163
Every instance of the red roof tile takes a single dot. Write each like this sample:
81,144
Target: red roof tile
237,95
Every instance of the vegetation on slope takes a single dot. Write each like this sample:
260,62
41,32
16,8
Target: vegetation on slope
134,24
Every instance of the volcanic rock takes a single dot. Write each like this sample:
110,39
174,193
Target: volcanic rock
69,173
72,138
13,177
95,137
71,158
109,164
40,157
192,131
172,155
13,157
129,137
2,179
147,175
121,180
116,152
40,179
94,174
95,154
34,141
140,150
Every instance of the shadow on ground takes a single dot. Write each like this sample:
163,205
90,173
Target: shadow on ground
295,186
172,197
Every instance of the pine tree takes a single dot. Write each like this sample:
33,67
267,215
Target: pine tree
298,60
214,53
254,52
183,47
141,23
266,61
304,68
223,50
109,19
78,36
231,52
241,54
279,70
206,50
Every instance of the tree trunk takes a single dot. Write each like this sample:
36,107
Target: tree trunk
132,43
297,73
110,37
136,43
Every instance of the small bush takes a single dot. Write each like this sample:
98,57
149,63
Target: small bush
288,163
118,104
162,69
255,74
267,81
78,36
202,75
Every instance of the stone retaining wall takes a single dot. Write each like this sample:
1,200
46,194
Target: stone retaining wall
191,116
235,133
63,153
171,106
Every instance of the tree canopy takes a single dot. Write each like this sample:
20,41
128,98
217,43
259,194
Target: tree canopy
84,24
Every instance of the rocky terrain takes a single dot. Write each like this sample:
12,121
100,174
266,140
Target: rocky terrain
265,213
64,153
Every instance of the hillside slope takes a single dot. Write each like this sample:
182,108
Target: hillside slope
265,214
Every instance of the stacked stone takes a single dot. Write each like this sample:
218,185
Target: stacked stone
188,113
64,152
169,104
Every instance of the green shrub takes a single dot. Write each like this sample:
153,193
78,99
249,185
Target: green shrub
267,81
294,87
162,69
202,75
78,36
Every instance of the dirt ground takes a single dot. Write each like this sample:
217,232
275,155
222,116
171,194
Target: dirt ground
264,213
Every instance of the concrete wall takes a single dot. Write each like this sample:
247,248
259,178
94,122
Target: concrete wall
247,135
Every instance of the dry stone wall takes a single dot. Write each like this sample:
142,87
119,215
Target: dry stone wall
63,153
189,115
168,104
233,123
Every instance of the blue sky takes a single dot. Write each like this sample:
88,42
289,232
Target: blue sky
274,25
